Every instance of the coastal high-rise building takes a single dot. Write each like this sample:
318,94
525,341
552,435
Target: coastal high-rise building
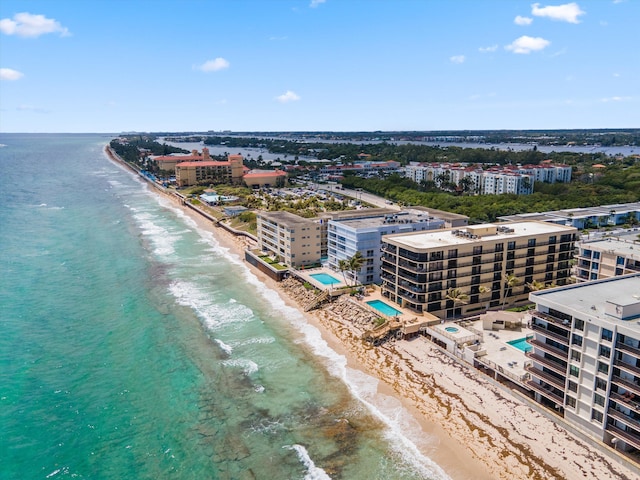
293,239
461,272
363,233
585,361
606,258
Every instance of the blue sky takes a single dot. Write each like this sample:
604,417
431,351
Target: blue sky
340,65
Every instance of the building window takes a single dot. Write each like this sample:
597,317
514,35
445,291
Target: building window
477,250
596,415
598,399
574,371
605,351
603,368
578,324
571,402
575,355
499,247
601,384
531,242
572,386
511,246
453,253
576,340
606,335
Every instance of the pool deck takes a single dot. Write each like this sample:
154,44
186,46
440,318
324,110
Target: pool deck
306,274
499,352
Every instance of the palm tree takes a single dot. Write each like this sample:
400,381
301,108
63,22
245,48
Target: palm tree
343,266
510,281
457,296
535,285
354,265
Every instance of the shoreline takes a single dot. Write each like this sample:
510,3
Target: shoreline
476,429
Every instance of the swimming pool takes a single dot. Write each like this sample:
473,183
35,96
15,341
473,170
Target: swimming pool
324,278
384,308
521,344
451,329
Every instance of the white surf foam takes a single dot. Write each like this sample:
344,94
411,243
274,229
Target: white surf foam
248,366
313,472
201,301
228,349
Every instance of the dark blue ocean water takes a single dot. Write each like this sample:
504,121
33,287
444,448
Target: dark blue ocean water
133,346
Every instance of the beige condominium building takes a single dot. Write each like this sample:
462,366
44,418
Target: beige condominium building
460,272
606,258
585,361
293,239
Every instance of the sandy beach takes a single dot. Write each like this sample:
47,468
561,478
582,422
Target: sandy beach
481,430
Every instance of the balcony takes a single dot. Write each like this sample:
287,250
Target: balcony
557,367
561,354
629,349
546,392
549,334
627,367
559,383
565,324
628,437
618,415
627,384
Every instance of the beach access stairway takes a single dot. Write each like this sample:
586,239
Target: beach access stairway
381,332
317,301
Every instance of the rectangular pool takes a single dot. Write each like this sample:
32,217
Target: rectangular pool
384,308
521,344
325,278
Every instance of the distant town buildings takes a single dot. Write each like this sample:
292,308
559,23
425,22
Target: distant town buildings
198,169
587,217
516,179
460,272
586,356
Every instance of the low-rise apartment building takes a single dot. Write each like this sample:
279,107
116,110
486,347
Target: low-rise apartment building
293,239
585,361
606,258
488,266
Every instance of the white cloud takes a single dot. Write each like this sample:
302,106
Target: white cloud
520,20
457,59
10,74
569,12
616,99
526,44
315,3
492,48
616,75
213,65
288,96
29,25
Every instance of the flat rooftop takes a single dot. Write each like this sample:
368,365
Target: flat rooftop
394,218
615,246
596,299
445,238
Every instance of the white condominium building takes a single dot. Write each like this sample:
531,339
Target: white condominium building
585,361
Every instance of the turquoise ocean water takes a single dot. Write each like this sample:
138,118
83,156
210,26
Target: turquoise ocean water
133,346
